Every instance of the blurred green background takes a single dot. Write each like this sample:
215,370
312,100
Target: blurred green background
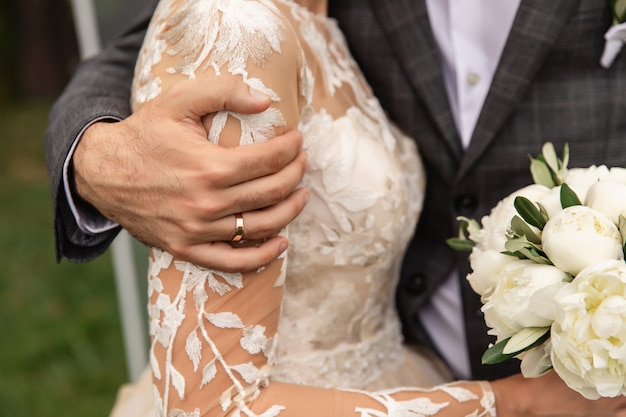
61,349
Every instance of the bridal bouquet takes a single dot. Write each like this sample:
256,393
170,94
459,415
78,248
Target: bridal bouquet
548,263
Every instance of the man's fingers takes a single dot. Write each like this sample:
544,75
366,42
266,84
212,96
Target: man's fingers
223,257
257,224
268,222
261,224
193,99
265,191
259,160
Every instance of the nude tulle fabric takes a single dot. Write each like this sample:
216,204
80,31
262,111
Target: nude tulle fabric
314,333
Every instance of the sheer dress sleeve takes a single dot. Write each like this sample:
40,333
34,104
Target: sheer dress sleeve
214,333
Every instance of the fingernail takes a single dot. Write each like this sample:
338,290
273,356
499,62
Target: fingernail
307,196
282,247
256,94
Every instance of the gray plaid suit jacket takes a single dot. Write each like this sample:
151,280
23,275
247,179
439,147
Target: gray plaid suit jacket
549,86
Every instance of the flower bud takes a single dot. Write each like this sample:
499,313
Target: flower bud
578,236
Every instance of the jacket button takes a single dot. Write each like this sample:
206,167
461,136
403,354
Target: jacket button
465,204
416,284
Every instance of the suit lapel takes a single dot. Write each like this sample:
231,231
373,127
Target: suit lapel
407,27
527,46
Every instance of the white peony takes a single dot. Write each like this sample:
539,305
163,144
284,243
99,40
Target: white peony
589,332
486,266
617,174
579,236
580,179
495,225
509,308
609,197
551,202
536,361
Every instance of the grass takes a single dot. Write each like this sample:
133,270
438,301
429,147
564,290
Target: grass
61,350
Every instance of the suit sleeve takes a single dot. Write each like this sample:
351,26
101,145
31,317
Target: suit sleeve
99,89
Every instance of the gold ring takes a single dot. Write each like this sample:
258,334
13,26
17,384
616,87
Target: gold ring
238,227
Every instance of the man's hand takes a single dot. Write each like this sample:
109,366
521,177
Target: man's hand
548,396
156,174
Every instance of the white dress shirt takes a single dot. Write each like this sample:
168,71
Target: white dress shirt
470,35
88,221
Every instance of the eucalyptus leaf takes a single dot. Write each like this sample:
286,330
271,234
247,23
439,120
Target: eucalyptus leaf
569,197
515,254
535,256
549,155
524,339
468,225
543,211
564,163
464,245
521,228
529,212
541,173
517,244
622,230
494,354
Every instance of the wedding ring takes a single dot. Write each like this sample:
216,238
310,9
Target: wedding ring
238,228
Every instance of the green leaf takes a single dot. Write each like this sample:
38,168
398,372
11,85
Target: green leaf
535,256
549,155
464,245
543,211
524,339
569,197
515,254
467,226
541,173
521,228
565,160
619,11
622,230
523,249
529,212
462,242
494,354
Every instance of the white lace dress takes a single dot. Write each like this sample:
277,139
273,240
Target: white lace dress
282,340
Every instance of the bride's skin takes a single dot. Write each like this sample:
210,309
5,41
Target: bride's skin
548,396
316,6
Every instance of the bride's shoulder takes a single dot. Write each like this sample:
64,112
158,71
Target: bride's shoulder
213,38
229,34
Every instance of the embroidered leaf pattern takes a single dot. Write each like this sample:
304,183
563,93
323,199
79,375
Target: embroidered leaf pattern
208,373
225,320
248,372
178,382
193,347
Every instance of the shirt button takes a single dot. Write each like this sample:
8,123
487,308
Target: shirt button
416,284
465,204
473,78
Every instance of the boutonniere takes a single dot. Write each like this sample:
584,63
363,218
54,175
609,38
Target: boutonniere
615,37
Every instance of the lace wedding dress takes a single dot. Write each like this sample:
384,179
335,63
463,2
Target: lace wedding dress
308,334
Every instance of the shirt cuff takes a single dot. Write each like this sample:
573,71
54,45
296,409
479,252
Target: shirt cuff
88,219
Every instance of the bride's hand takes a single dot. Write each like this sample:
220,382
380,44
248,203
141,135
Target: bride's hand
156,174
548,396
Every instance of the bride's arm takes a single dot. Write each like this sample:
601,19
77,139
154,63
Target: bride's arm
213,346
